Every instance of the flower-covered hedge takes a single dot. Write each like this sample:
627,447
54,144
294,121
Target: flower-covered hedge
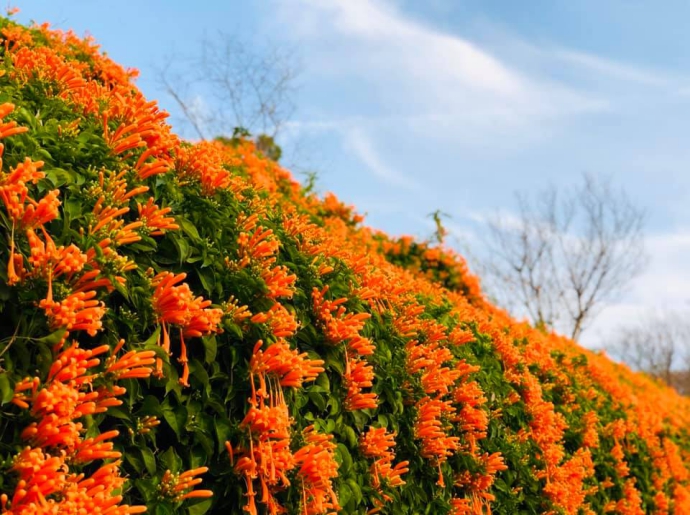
185,330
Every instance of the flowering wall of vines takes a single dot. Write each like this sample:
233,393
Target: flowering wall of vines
183,329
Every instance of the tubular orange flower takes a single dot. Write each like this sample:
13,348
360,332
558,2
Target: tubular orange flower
161,163
78,312
8,129
317,467
154,218
15,194
289,366
378,443
64,398
96,448
175,303
279,281
179,487
134,364
359,374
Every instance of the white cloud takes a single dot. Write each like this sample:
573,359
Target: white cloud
441,82
363,148
614,69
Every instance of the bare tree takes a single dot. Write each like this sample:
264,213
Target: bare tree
565,254
241,86
659,345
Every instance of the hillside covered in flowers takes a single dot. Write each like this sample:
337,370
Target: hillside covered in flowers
184,329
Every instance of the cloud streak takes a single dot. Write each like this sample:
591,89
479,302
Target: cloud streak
411,69
363,148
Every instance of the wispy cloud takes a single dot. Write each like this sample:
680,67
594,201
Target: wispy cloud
439,80
614,69
363,148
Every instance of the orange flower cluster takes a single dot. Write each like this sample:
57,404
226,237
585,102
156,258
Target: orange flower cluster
281,322
430,428
203,162
317,469
477,486
175,304
79,310
378,443
567,482
287,365
345,328
179,487
258,247
45,64
441,376
268,422
269,457
46,484
23,210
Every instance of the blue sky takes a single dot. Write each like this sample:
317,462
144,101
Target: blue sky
406,107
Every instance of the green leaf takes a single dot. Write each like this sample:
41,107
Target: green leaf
151,342
175,417
222,427
59,177
149,459
199,373
171,460
150,406
350,436
6,391
162,509
356,490
134,461
318,400
146,488
188,227
118,413
200,508
207,278
182,248
210,348
345,459
53,338
344,494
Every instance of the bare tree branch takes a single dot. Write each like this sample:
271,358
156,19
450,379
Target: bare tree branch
658,345
245,86
566,254
175,93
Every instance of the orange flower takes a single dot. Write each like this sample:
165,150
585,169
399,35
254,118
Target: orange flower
269,457
359,374
15,195
96,448
154,218
132,365
77,312
66,397
279,282
378,443
175,303
8,129
161,163
179,487
289,366
317,468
